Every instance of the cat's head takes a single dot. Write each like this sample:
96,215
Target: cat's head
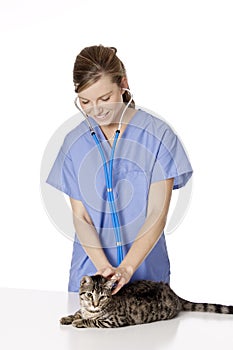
95,292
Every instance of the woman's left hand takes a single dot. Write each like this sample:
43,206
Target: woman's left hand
120,274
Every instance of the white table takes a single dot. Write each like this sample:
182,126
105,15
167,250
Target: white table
29,320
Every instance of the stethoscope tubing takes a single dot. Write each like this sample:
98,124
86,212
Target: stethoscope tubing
109,175
110,195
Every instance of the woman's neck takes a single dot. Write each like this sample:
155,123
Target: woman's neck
109,130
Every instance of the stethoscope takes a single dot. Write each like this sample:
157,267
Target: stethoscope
108,174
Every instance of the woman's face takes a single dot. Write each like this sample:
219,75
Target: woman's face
102,101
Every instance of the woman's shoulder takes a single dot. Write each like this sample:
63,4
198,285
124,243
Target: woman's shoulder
151,122
74,136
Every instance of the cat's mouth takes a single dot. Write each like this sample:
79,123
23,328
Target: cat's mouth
94,309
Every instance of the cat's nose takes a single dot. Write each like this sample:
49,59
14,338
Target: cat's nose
95,300
96,303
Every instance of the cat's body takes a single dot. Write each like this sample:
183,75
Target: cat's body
136,303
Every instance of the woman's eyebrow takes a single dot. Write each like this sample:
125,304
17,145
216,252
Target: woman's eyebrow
84,98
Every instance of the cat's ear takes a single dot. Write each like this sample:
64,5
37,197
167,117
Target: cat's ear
86,280
110,284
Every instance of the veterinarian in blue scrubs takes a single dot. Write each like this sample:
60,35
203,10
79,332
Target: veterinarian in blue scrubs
149,162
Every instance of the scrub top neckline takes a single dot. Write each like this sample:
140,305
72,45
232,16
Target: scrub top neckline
102,136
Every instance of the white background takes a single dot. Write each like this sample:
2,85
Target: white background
178,56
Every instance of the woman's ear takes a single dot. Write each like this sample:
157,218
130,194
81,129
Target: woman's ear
124,84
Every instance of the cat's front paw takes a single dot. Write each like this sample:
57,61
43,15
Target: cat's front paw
66,320
78,323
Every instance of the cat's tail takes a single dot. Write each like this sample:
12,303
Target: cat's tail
205,307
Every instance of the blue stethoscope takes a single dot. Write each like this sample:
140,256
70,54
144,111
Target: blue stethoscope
108,174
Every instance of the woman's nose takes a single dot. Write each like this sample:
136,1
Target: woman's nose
97,109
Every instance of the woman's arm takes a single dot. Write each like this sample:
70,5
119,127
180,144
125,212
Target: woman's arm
158,205
88,236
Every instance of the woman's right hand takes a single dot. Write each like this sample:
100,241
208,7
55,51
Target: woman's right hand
121,275
106,271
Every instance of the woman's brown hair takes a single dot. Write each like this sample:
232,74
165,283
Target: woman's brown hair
93,62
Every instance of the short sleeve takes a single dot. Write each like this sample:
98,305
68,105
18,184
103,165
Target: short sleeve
171,161
62,175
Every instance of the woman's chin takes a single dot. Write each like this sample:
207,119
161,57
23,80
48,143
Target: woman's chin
106,119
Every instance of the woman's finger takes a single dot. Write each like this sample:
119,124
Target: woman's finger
120,284
106,272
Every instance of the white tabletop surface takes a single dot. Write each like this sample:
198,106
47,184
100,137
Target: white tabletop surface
29,319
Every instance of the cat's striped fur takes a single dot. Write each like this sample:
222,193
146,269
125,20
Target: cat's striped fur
136,303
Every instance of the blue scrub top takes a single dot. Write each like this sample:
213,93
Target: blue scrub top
148,151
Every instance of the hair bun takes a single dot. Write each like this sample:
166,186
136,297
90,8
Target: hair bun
113,49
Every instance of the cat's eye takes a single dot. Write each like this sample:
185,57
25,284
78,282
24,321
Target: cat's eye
89,295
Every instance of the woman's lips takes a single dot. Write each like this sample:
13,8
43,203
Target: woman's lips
102,116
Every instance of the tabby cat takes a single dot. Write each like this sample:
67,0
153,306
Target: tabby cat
137,302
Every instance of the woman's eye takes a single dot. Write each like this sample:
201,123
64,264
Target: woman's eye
84,102
106,99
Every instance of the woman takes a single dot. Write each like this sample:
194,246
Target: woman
149,162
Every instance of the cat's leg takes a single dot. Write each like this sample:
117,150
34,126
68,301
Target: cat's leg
92,323
71,318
